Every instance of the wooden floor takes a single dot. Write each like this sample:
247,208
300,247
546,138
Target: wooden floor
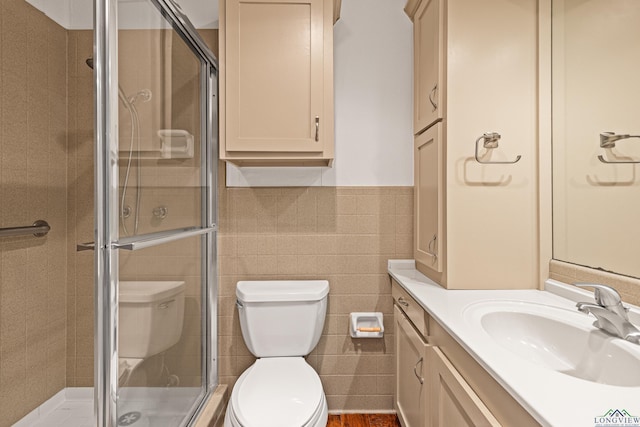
363,420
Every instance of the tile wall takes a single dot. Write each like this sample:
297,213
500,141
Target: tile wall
33,179
342,234
628,287
80,211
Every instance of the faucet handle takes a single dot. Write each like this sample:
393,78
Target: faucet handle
605,296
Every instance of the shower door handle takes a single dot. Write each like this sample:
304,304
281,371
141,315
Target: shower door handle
144,241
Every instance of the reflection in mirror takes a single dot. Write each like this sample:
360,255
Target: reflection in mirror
596,120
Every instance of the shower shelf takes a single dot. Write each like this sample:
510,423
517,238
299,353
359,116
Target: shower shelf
151,155
143,154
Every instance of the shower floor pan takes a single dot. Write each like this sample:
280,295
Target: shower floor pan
142,407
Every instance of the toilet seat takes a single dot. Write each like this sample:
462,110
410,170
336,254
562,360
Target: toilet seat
277,391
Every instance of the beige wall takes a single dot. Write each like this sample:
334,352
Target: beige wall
80,212
33,175
342,234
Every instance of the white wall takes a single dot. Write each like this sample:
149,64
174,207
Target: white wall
373,73
132,14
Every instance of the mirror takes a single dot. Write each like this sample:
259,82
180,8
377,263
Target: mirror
596,112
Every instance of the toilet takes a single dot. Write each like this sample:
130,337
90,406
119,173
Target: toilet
150,318
281,322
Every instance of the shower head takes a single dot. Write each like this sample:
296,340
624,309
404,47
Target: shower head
144,94
121,94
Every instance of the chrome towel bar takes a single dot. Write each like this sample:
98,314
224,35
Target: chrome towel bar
39,228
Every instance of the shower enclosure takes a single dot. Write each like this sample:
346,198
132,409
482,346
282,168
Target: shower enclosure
155,212
108,132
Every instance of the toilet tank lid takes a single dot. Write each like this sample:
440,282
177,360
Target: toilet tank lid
281,290
148,291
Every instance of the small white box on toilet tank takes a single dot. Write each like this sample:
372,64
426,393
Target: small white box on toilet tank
150,319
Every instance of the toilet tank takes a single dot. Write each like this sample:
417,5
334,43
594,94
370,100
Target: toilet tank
282,318
150,317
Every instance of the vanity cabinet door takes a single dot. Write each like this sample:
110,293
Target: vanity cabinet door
428,198
428,51
412,368
453,402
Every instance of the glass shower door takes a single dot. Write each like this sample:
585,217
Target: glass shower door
155,218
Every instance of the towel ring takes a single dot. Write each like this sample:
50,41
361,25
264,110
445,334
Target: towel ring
490,141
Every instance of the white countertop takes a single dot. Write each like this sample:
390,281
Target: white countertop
552,398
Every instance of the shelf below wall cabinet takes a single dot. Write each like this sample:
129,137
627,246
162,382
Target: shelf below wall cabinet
276,82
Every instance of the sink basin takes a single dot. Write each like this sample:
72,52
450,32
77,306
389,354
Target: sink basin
559,339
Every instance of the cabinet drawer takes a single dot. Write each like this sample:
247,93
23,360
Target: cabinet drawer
411,308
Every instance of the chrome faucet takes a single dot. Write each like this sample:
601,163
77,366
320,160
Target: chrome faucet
611,316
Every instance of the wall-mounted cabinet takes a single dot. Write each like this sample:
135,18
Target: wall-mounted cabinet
276,82
428,50
476,73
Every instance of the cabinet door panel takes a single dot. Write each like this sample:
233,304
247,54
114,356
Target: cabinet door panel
453,402
492,209
411,379
428,198
428,51
274,76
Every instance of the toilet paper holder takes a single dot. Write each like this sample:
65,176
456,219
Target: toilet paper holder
366,325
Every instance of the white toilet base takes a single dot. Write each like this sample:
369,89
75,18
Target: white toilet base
319,419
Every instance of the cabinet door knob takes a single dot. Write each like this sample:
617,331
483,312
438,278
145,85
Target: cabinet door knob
415,371
403,302
317,128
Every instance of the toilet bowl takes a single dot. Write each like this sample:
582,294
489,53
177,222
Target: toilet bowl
150,318
278,392
281,322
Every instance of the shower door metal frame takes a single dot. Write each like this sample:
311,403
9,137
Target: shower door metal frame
106,233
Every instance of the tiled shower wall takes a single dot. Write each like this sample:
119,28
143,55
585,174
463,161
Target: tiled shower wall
33,160
80,212
342,234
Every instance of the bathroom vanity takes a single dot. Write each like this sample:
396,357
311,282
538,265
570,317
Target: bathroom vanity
505,357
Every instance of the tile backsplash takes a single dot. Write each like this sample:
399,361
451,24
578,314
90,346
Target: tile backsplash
628,287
